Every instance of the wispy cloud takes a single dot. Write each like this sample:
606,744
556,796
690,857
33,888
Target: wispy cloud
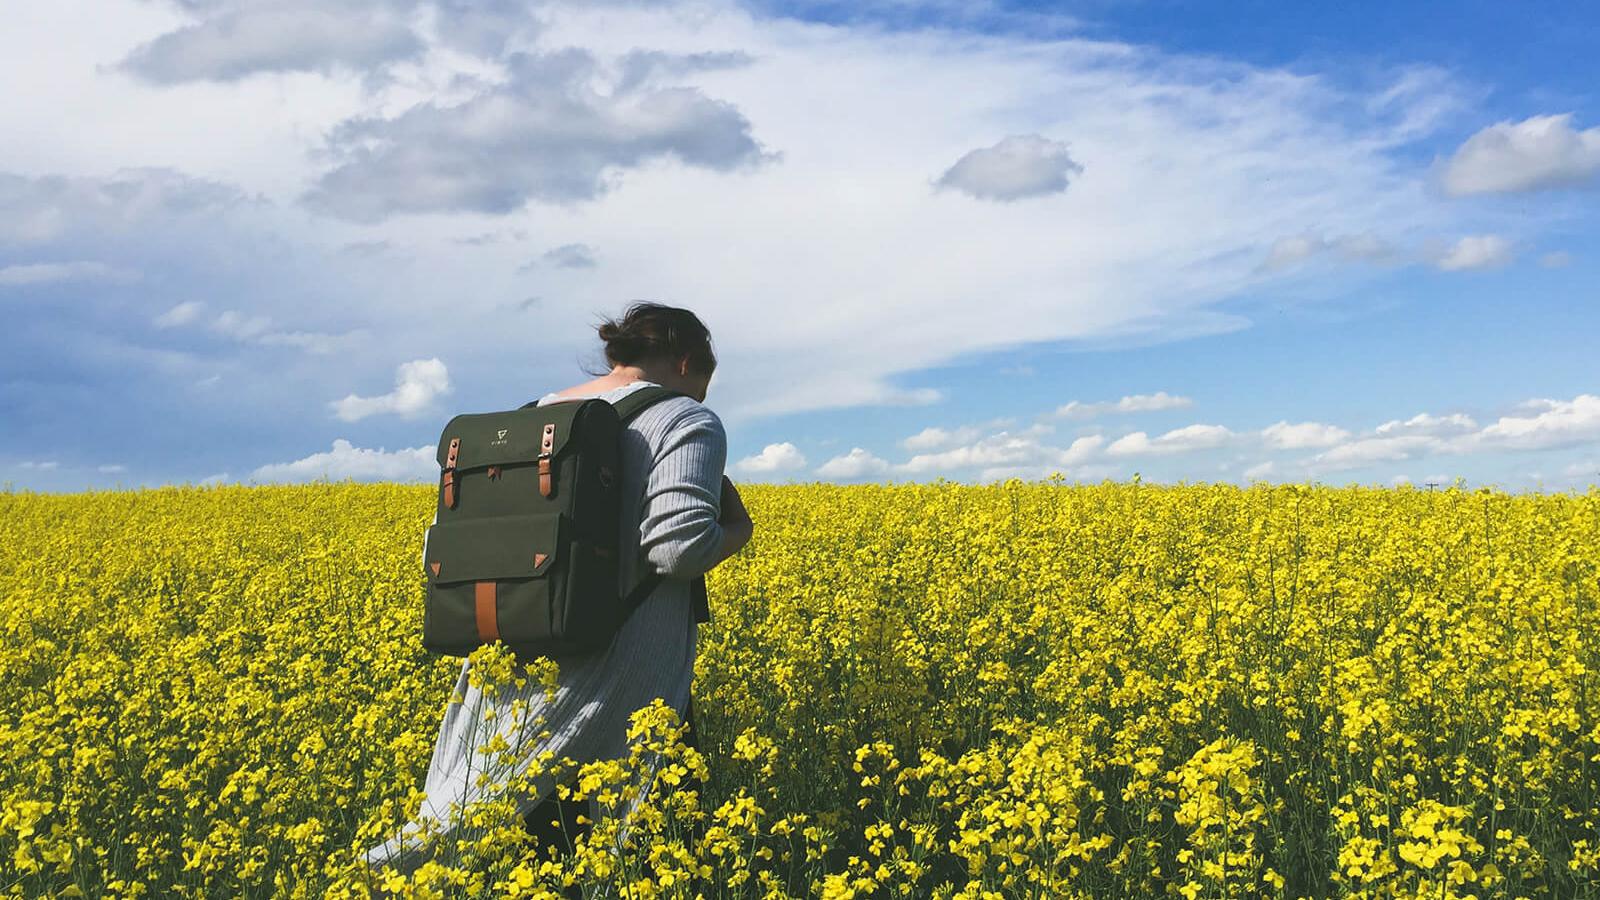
54,272
1133,403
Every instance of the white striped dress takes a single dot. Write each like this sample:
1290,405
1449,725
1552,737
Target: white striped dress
673,456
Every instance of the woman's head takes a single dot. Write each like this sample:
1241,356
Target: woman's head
670,345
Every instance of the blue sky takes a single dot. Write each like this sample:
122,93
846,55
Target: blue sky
249,241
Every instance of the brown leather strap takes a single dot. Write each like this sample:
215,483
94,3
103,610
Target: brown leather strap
450,473
488,615
547,444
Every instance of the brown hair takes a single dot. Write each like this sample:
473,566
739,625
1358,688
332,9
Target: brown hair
651,329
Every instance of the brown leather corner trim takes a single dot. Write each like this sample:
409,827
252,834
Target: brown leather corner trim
435,567
539,558
487,613
494,472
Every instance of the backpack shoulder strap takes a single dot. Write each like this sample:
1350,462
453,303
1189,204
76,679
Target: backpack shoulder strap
640,400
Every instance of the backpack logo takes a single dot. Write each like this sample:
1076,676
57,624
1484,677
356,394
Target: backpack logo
502,433
501,437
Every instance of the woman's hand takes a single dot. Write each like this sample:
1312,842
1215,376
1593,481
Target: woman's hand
737,528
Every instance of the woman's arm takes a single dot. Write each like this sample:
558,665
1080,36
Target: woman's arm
680,530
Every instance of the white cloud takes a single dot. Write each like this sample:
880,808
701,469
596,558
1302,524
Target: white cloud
1019,166
1290,251
1376,449
772,458
1538,153
416,385
1423,423
1478,251
1399,480
1558,423
1259,471
111,469
232,43
998,449
557,131
858,463
1583,469
37,464
933,438
1178,440
52,273
181,314
1284,436
258,329
362,464
1134,403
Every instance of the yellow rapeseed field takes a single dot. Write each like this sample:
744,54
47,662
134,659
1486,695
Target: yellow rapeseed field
937,690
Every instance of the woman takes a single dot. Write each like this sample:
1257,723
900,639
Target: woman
685,517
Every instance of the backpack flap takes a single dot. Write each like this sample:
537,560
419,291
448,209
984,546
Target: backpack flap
513,436
528,436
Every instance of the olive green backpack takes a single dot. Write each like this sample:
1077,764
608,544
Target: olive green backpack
524,546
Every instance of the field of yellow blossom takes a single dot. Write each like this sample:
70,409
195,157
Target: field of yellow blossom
935,690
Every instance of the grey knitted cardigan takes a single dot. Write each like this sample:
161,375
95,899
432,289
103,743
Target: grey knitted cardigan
673,458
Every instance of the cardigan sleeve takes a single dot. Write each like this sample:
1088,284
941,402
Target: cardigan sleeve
678,528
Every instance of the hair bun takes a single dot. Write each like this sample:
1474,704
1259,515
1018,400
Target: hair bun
652,329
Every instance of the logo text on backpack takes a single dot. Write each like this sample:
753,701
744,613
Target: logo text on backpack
501,435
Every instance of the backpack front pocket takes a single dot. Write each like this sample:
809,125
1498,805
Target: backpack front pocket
490,579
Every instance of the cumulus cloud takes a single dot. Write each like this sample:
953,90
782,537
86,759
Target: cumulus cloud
1479,251
1178,440
549,134
858,463
416,385
259,329
1284,436
1424,423
1019,166
1001,449
346,460
1550,424
1366,451
772,458
932,438
232,43
1538,153
1134,403
26,274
